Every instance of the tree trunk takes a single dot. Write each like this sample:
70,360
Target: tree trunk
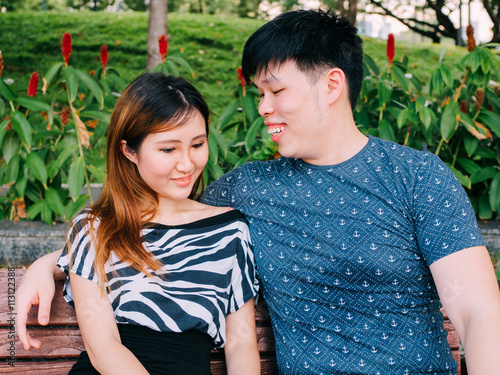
352,12
493,10
157,26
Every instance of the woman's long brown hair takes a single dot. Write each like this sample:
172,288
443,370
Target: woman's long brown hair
152,103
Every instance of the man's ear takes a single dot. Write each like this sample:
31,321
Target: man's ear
130,155
336,82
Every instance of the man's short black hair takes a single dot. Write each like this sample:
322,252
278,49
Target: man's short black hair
314,40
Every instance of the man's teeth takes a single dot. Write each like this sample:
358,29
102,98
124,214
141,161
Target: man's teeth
275,131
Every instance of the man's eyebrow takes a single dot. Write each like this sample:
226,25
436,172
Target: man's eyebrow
269,78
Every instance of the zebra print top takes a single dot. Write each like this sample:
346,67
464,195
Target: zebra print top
208,273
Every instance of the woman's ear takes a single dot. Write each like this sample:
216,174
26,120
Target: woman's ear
130,155
336,84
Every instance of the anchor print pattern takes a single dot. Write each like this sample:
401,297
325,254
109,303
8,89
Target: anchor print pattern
343,253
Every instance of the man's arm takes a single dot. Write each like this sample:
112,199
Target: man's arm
469,292
36,288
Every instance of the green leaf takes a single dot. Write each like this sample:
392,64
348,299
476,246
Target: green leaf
249,107
213,150
6,91
215,170
495,192
53,72
486,60
370,65
33,104
471,143
486,153
115,79
402,117
464,180
46,213
92,85
33,211
97,173
437,82
469,166
251,135
227,115
449,121
447,77
416,83
98,115
384,92
12,170
426,117
399,75
74,207
37,167
386,131
475,61
71,82
483,175
3,130
485,211
56,165
54,201
221,141
22,182
76,177
23,128
2,107
180,61
491,120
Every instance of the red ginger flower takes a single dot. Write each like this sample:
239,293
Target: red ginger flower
463,106
9,125
390,48
1,64
104,56
241,79
471,42
66,47
33,86
64,116
163,45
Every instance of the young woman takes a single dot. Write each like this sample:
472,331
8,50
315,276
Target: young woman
158,279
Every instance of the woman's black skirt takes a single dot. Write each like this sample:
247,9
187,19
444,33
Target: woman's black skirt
161,353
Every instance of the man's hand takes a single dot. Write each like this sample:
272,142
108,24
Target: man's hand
37,288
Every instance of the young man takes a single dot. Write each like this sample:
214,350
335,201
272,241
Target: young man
357,240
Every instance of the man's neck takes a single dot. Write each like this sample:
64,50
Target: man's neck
344,142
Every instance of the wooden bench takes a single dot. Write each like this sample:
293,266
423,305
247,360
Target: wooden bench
62,343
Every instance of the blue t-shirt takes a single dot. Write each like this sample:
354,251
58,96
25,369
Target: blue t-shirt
343,254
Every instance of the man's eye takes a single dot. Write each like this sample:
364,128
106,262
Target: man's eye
198,145
277,92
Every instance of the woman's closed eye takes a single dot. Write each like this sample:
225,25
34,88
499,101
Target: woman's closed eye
198,145
167,150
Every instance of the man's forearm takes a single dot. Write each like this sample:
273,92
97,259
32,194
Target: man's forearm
481,342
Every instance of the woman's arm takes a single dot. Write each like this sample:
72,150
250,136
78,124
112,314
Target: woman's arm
99,330
36,288
241,350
